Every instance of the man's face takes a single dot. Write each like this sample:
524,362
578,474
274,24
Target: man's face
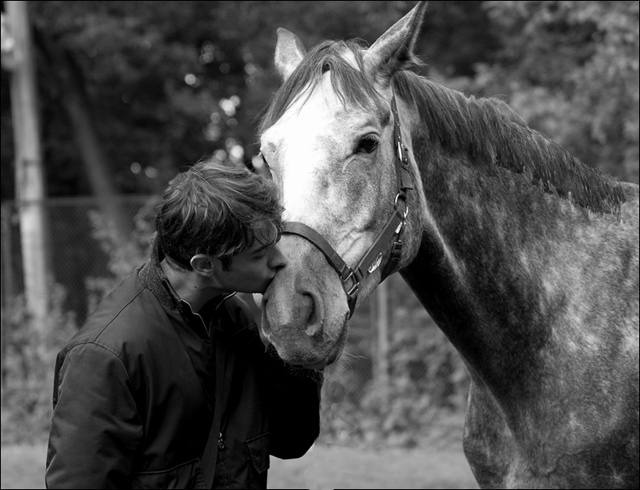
252,270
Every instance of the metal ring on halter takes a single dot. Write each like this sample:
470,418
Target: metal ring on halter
406,207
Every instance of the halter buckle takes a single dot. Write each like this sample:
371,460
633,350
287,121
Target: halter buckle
356,282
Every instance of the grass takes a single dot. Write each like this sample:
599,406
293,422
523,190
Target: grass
326,467
23,466
323,467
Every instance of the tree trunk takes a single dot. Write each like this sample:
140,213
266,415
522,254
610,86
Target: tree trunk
29,176
95,163
66,69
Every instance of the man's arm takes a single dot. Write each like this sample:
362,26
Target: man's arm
95,427
294,394
294,418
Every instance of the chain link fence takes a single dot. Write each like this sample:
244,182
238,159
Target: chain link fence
382,389
82,256
78,253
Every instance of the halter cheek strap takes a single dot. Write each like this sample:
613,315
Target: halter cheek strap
392,231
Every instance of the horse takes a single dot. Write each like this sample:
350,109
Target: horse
525,257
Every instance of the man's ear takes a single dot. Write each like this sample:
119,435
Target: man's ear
206,264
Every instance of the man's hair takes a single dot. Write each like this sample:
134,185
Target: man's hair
215,209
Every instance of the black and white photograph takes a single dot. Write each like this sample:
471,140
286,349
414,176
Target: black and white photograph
322,245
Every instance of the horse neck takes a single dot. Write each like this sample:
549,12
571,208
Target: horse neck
492,243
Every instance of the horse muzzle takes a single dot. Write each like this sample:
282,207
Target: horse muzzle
304,310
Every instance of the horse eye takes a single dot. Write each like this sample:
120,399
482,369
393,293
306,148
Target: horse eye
367,145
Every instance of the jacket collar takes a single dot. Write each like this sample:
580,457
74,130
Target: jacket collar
152,277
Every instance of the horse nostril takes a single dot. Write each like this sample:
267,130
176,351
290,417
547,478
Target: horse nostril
310,304
314,325
264,327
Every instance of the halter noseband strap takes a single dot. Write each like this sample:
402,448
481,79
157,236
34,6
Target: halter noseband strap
352,277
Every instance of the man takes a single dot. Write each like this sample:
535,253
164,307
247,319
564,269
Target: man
171,349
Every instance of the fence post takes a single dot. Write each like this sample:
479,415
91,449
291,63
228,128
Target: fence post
8,292
382,374
7,275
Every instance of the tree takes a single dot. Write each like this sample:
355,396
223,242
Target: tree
28,161
571,70
167,83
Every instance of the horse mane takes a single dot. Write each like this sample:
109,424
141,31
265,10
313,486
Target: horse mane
487,130
454,121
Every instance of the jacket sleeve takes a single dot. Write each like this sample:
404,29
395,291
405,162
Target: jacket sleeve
95,427
293,394
294,408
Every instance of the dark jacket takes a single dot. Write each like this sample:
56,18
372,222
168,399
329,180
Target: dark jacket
134,395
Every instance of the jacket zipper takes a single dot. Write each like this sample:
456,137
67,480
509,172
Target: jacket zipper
207,329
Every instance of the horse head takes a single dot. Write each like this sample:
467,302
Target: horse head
340,153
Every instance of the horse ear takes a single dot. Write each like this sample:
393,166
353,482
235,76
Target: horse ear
394,49
289,53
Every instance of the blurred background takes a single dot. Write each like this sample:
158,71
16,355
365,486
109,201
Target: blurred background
103,102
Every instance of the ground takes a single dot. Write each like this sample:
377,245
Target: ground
323,467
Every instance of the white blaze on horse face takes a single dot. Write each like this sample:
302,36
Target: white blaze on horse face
324,183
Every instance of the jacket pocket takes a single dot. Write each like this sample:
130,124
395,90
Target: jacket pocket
258,449
185,475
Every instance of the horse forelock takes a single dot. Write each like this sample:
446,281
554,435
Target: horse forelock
349,82
491,133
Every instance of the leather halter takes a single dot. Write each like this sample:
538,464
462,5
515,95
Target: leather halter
352,277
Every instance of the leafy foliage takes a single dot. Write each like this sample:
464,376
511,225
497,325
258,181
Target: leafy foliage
28,360
423,399
570,69
123,257
171,82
